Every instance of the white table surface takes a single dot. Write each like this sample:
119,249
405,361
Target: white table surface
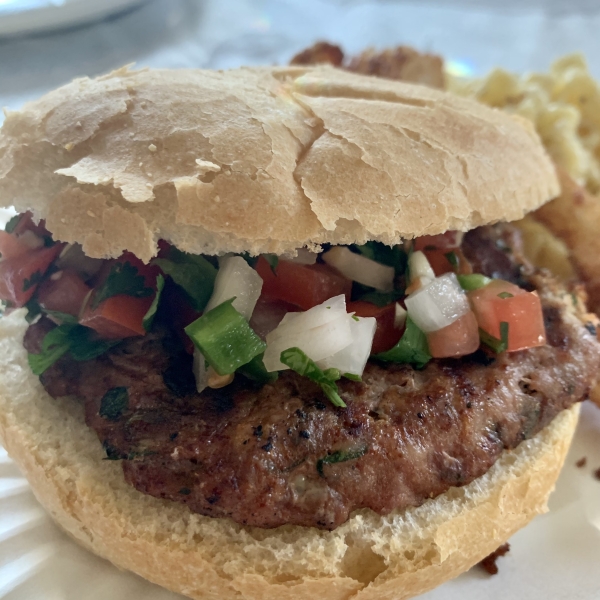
556,557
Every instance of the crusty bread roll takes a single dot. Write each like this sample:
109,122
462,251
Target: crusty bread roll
264,160
369,557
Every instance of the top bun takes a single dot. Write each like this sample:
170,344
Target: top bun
263,160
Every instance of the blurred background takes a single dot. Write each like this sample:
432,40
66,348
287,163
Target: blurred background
45,43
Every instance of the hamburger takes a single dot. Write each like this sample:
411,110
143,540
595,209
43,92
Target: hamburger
247,350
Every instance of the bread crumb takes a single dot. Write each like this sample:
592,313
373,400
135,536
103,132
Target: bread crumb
581,462
489,562
152,148
69,146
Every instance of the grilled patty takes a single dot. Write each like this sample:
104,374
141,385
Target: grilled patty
283,454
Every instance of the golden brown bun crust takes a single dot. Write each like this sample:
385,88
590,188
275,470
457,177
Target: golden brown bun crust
369,557
264,160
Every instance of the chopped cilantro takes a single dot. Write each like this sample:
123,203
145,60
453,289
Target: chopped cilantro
411,349
114,403
368,294
149,316
12,224
339,457
497,345
123,279
192,273
391,256
55,345
273,261
452,259
298,361
505,295
81,342
256,371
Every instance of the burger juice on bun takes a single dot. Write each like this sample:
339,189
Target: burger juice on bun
269,333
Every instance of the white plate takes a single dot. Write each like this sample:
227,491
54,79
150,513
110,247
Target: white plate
29,16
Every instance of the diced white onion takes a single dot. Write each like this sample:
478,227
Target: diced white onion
399,316
353,358
360,268
294,322
304,257
200,371
419,267
438,304
320,332
236,278
316,343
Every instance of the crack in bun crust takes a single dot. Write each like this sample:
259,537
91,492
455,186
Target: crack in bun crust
397,556
200,157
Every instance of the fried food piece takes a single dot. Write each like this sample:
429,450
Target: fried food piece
320,53
401,63
574,217
544,249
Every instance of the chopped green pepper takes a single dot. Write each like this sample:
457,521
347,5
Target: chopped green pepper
225,338
473,282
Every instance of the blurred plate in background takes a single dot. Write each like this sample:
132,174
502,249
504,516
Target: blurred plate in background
29,16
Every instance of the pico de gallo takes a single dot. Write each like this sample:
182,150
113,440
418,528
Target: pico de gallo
322,315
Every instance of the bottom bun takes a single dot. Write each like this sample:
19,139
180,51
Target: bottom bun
395,556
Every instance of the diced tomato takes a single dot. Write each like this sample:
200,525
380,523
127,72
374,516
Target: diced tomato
501,301
11,246
439,261
458,339
117,317
63,292
26,224
20,276
304,286
386,335
444,241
